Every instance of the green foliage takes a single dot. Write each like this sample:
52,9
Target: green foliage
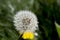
47,12
58,28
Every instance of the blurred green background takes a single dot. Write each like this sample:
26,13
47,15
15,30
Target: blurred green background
47,12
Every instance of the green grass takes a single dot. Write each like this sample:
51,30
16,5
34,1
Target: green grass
58,28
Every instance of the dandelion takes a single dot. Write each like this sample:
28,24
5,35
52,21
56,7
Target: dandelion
26,22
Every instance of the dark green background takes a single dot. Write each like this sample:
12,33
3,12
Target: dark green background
47,12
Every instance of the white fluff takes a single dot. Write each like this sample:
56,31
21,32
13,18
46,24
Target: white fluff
25,20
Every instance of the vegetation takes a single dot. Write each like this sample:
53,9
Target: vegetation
47,12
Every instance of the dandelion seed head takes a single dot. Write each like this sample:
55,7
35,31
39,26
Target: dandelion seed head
25,20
